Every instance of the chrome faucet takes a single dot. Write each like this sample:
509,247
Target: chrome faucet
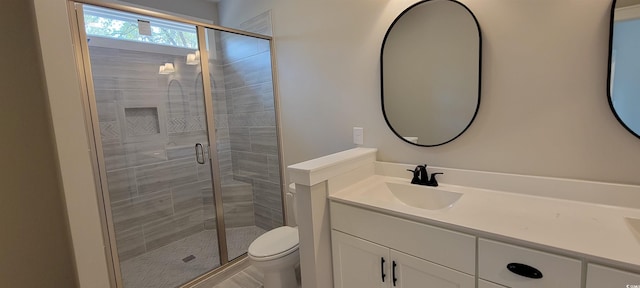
421,176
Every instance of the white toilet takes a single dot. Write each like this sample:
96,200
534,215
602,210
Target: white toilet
276,254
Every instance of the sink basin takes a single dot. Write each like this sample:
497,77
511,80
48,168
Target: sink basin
423,197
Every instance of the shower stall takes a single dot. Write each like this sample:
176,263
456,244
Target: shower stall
184,127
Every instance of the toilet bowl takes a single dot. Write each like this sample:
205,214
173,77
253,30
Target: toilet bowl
276,254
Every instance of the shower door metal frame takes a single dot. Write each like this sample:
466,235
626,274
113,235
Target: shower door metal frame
211,133
76,19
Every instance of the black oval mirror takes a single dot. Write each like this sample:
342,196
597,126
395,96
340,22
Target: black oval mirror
430,72
624,64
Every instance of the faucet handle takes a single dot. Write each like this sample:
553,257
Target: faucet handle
433,181
416,175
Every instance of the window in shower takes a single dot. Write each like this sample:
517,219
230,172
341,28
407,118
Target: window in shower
124,26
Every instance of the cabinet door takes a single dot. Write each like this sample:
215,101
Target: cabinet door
412,272
359,263
600,276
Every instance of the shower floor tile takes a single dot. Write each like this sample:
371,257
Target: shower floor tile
165,267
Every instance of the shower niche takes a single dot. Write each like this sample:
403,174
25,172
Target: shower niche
141,122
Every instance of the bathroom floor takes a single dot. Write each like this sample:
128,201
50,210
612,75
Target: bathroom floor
250,277
183,260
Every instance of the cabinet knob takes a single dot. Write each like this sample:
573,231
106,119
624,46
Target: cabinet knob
524,270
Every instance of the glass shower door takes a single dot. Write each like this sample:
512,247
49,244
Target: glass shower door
153,146
246,135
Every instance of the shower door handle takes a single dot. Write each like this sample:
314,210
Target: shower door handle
199,154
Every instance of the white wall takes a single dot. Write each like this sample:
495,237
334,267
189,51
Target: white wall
544,107
72,146
35,245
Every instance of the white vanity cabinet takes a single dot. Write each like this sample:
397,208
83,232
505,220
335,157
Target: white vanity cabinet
600,276
370,249
361,263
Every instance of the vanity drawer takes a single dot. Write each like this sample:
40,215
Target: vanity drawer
445,247
600,276
557,271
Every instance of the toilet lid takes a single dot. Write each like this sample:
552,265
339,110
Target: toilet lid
276,241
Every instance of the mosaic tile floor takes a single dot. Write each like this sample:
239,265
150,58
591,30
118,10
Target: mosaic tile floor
165,267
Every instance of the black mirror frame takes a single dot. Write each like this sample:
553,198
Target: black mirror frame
609,96
386,119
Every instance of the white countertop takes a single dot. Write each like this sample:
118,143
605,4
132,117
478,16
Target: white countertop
591,231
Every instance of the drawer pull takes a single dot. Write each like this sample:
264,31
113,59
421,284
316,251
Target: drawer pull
524,270
382,268
393,270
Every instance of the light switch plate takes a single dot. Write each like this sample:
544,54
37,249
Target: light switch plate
358,135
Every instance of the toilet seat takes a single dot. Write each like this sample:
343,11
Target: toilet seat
274,244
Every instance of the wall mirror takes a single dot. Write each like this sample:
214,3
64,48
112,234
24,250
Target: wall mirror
624,64
430,72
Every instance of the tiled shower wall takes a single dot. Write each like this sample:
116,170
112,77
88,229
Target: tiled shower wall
237,196
149,124
252,120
